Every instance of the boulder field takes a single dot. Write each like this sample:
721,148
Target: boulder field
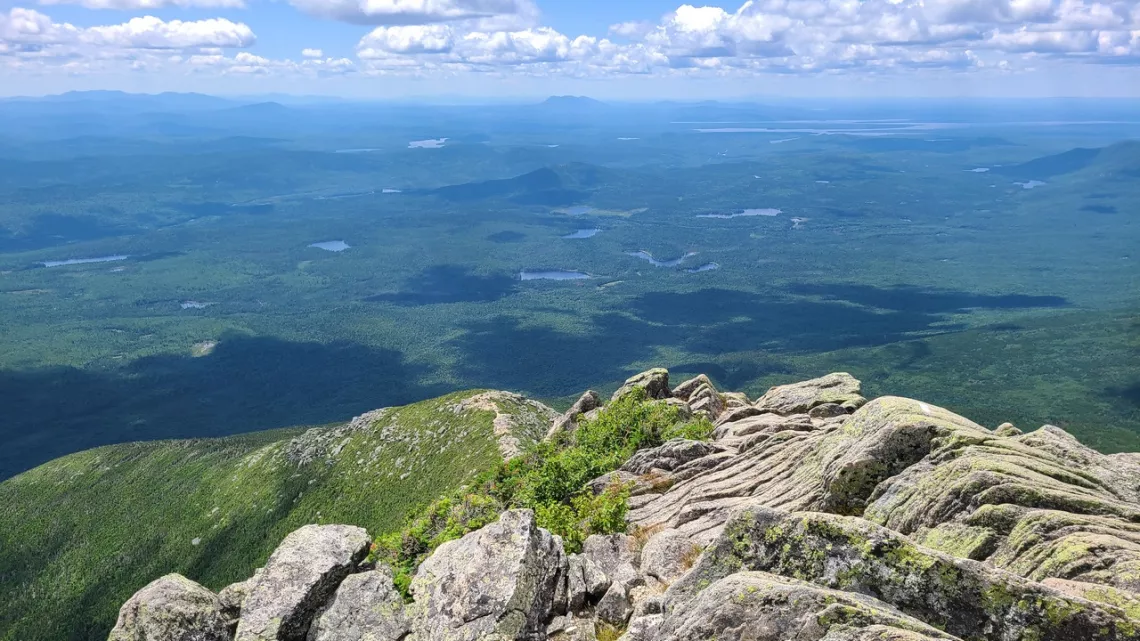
811,514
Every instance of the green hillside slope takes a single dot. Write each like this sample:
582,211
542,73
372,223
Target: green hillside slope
80,534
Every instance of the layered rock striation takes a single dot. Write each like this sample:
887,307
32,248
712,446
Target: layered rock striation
811,514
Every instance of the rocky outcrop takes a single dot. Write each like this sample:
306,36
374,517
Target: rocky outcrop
300,576
758,606
568,422
967,599
812,514
655,382
172,608
840,389
366,607
496,583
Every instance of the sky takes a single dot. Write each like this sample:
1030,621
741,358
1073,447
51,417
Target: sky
621,49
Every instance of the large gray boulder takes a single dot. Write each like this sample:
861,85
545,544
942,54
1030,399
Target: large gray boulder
757,606
615,555
839,388
366,607
568,422
300,576
967,599
494,584
655,382
172,608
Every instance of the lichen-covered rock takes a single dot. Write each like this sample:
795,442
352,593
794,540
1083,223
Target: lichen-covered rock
655,382
668,555
757,606
615,555
172,608
685,390
706,401
585,584
366,607
797,398
299,577
964,598
232,597
1038,504
568,422
669,455
615,607
497,583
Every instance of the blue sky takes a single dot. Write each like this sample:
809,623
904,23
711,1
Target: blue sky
615,48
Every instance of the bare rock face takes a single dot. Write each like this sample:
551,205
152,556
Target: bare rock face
366,607
655,382
298,579
964,598
1038,504
615,555
758,606
669,456
685,390
568,422
668,555
497,583
839,388
172,608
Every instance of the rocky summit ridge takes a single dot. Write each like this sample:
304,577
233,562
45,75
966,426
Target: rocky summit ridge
811,514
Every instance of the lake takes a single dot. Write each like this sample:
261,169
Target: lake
331,245
82,261
747,212
707,267
431,143
1030,184
552,275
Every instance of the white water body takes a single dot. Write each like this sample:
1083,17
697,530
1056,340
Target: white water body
83,261
776,142
584,233
1030,185
390,191
552,275
629,138
979,170
707,267
431,143
331,245
823,182
644,255
747,212
355,151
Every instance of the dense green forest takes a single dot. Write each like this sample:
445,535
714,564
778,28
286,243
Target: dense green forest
984,260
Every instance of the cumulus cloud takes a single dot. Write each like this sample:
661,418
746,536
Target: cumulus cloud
417,12
29,27
312,53
152,33
149,5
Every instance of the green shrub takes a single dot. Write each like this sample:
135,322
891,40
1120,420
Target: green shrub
698,429
550,479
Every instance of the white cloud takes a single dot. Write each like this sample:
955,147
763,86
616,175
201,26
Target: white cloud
435,38
29,27
417,12
149,5
312,53
152,33
26,26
